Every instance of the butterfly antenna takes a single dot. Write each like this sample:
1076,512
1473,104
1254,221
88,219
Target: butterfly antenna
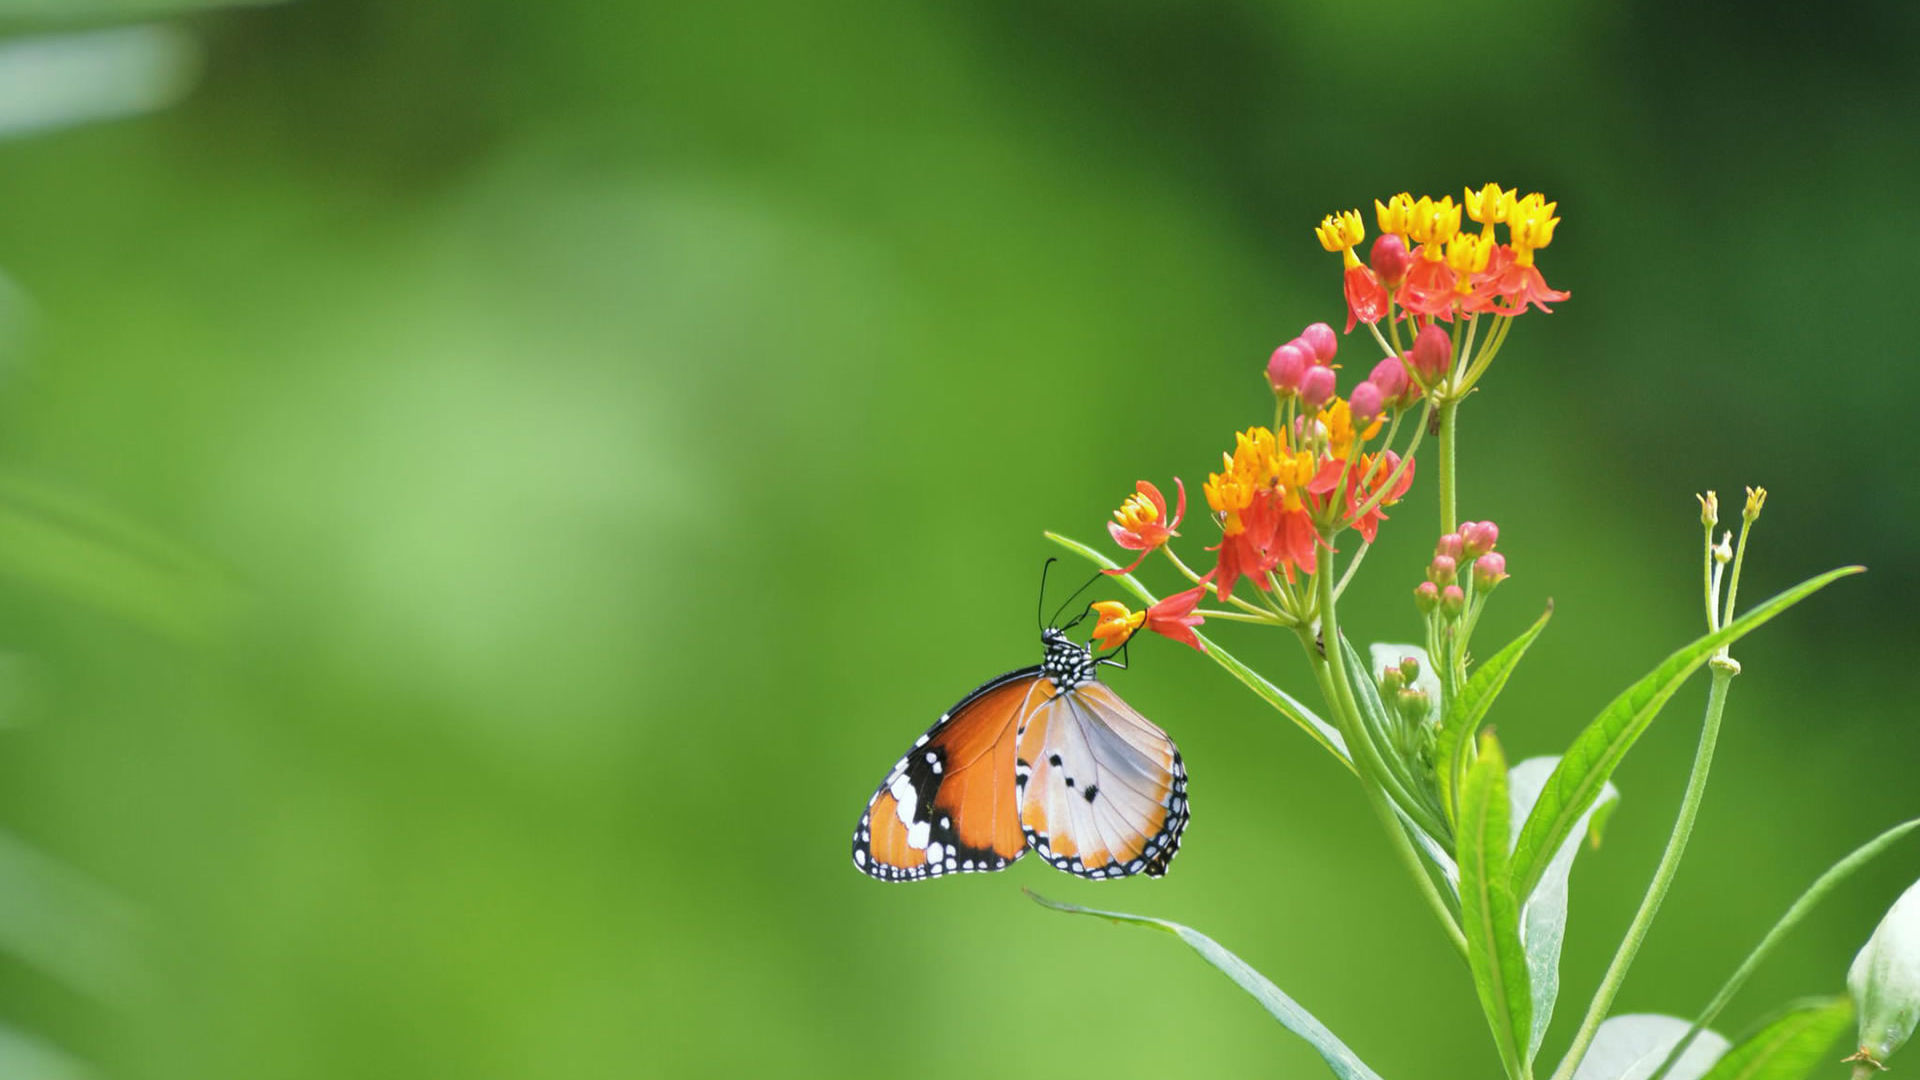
1071,599
1040,604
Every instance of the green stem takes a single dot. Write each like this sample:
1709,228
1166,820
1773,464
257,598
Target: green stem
1739,557
1449,429
1339,693
1706,581
1816,892
1723,673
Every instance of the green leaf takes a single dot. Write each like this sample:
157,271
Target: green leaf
1631,1047
1343,1061
1590,761
1319,730
1453,746
1791,1046
1403,788
1543,918
1806,902
65,544
1488,913
25,1057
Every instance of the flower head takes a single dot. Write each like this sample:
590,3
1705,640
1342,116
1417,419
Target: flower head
1141,522
1174,617
1342,232
1115,624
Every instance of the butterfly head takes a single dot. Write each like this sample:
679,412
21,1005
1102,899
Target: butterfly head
1067,662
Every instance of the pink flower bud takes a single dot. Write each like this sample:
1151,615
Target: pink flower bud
1365,401
1391,681
1432,353
1316,387
1320,338
1451,546
1489,570
1452,601
1426,597
1478,537
1390,375
1442,570
1286,367
1409,669
1390,260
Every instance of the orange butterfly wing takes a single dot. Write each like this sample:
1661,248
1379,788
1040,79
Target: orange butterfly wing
950,805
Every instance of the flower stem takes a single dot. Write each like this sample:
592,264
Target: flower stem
1723,672
1373,772
1449,430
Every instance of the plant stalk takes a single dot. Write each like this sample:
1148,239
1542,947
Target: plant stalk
1339,693
1449,430
1663,875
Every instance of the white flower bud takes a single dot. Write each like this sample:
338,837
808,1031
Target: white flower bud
1885,981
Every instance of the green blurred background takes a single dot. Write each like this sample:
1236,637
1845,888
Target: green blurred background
489,488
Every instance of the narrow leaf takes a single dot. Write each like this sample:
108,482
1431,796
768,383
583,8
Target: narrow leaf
1453,746
1488,913
1588,764
1816,892
1405,790
1343,1061
1543,918
1319,730
1791,1046
1631,1047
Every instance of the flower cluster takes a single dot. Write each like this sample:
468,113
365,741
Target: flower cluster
1427,265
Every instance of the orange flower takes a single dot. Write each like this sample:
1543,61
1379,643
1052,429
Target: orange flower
1364,487
1175,618
1115,624
1141,522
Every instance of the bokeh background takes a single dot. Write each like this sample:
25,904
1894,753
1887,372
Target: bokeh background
487,489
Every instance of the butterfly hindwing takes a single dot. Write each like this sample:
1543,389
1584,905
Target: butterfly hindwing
1103,792
950,805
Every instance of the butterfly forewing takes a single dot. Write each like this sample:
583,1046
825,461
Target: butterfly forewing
950,805
1103,791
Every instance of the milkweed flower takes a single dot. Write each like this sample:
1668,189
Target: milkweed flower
1366,297
1173,617
1370,477
1141,522
1115,624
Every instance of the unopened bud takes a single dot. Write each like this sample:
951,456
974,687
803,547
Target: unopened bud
1723,551
1366,403
1489,570
1390,375
1885,981
1756,498
1316,387
1426,597
1390,259
1709,509
1478,537
1413,705
1452,601
1391,682
1443,570
1432,353
1286,367
1320,338
1410,669
1451,546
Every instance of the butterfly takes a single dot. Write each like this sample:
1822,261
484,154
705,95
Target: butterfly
1045,757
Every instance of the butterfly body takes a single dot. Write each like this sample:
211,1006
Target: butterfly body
1047,758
